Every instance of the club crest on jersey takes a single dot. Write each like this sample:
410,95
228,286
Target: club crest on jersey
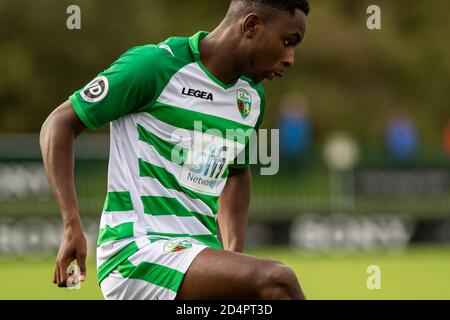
96,90
244,102
175,245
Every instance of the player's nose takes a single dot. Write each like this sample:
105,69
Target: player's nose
288,60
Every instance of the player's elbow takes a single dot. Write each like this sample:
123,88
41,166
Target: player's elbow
61,122
44,133
51,126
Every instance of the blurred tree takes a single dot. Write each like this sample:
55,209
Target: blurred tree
350,74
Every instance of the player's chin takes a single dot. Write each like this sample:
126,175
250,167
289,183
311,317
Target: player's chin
259,78
270,76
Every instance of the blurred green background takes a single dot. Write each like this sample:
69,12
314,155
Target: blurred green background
382,207
351,75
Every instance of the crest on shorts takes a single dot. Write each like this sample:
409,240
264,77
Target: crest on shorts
244,102
175,245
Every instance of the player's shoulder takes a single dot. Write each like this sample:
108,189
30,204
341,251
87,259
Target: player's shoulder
178,48
164,56
171,52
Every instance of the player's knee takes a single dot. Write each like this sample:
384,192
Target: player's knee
279,282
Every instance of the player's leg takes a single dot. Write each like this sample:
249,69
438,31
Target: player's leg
220,274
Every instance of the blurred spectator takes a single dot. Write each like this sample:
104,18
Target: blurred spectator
401,137
295,132
446,138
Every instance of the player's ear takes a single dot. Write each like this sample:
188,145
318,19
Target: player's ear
251,24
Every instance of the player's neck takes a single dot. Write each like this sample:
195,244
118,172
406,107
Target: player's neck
219,55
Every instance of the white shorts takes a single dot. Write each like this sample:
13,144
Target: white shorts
155,272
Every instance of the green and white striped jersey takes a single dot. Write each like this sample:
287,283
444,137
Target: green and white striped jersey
160,183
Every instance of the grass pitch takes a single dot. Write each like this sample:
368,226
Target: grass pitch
414,273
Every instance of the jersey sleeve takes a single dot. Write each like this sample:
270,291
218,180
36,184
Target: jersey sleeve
128,85
249,148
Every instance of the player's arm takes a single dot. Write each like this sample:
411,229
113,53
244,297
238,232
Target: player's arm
234,203
57,145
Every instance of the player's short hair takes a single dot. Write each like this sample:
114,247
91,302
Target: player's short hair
268,8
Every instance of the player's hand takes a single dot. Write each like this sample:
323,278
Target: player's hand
73,247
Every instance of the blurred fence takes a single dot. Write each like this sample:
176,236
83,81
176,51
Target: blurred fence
370,206
420,191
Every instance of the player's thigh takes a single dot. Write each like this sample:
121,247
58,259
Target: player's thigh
221,274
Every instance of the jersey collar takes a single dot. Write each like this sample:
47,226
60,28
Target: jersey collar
193,44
